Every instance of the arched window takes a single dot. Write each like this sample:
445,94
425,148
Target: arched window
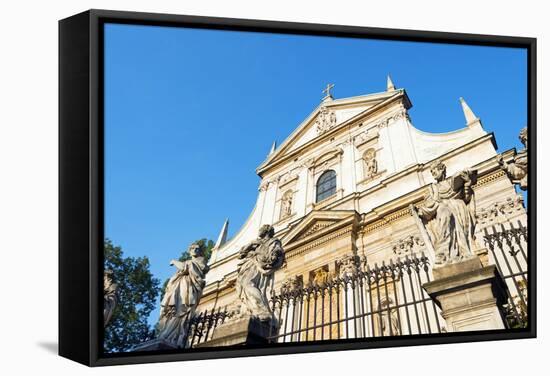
326,185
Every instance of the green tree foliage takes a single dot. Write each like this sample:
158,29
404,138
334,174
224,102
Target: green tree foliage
206,244
137,292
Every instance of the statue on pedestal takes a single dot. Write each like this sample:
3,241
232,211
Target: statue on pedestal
449,214
181,297
517,170
109,296
259,261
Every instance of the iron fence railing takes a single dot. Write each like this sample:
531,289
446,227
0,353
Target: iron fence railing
202,325
380,300
507,244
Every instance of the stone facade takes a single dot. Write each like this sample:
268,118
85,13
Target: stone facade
382,167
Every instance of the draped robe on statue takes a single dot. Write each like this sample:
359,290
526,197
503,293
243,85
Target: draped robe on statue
260,260
450,216
182,295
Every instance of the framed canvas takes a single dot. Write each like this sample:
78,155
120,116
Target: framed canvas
357,221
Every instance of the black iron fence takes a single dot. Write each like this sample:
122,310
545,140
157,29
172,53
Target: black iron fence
379,300
372,301
202,325
507,245
369,301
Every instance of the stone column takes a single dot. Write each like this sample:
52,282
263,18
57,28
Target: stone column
470,295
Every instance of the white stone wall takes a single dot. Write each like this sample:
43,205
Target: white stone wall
403,154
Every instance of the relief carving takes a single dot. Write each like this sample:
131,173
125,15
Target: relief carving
292,284
264,185
326,120
317,226
383,123
500,210
320,276
408,245
401,114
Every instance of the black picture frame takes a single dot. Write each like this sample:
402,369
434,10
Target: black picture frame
81,183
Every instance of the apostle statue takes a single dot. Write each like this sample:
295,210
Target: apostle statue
449,214
389,321
371,165
109,296
286,204
517,170
258,262
181,297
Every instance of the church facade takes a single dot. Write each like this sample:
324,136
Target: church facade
340,192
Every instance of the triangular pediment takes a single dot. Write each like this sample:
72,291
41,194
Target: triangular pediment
318,222
328,116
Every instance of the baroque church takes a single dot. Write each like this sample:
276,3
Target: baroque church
342,184
369,227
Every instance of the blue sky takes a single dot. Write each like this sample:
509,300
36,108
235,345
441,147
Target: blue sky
190,114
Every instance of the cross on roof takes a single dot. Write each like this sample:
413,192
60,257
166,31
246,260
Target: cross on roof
327,91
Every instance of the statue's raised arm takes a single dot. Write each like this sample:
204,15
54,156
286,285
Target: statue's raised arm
181,297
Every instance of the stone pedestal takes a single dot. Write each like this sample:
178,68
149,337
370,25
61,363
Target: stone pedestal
241,331
154,344
483,254
470,295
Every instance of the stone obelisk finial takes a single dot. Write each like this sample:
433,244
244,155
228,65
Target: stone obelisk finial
389,84
471,118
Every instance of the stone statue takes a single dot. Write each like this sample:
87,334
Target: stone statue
407,245
389,320
109,296
259,261
371,165
517,170
326,120
183,291
449,214
286,205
